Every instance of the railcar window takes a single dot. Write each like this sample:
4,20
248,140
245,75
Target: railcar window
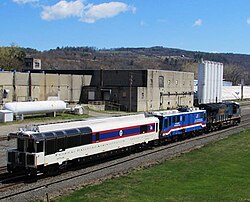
31,147
165,123
97,137
86,138
183,118
71,132
39,146
60,144
143,129
73,141
59,134
20,145
170,121
50,147
177,118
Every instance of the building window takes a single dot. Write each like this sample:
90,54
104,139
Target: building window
124,94
176,82
91,95
37,65
169,82
161,82
28,64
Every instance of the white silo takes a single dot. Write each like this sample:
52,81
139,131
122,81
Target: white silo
210,80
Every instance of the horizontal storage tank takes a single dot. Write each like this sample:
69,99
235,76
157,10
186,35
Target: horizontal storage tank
19,108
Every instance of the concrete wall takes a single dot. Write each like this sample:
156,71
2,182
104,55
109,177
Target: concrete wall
38,90
6,83
76,87
40,86
21,83
166,90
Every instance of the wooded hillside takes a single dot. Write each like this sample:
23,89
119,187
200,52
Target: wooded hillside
236,66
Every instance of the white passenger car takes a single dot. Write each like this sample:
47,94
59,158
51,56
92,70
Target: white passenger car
52,146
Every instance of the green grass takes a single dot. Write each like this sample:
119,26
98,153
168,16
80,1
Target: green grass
217,172
44,118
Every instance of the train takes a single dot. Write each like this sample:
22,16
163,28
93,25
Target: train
50,148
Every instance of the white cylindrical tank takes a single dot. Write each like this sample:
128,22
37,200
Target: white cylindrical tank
35,107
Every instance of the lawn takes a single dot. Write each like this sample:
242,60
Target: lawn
44,118
217,172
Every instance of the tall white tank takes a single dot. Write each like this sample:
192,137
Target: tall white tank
210,80
35,107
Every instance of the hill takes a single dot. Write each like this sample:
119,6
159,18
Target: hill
141,58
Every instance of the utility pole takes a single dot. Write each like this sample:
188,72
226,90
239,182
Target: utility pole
241,85
130,91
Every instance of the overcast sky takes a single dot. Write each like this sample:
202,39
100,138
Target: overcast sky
202,25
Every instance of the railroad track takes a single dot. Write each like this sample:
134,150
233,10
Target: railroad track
3,138
170,151
3,169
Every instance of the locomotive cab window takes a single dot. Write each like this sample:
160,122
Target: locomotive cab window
20,145
235,109
31,146
39,146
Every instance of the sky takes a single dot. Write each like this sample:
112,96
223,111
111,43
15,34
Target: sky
219,26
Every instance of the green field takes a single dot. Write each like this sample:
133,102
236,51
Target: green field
217,172
44,118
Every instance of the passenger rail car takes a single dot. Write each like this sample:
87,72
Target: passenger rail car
41,149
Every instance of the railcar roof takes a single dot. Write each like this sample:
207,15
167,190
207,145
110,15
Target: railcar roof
176,112
37,136
107,123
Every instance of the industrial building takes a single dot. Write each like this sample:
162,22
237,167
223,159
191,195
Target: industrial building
20,86
141,90
130,90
